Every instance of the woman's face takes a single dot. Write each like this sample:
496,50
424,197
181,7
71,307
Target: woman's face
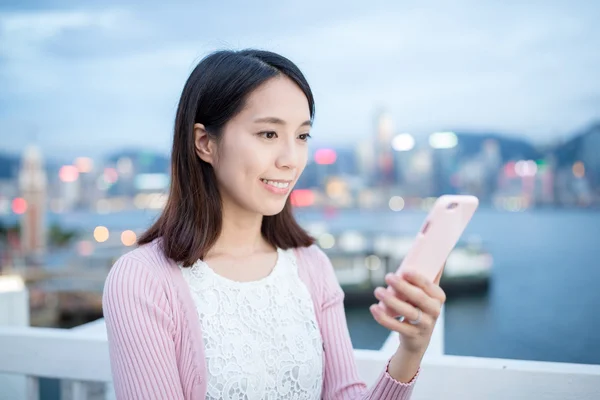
263,149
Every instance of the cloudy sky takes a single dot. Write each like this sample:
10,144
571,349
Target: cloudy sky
87,79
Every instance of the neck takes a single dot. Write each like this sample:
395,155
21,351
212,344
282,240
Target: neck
240,234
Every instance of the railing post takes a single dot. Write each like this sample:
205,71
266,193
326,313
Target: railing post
109,391
14,311
79,390
33,388
436,347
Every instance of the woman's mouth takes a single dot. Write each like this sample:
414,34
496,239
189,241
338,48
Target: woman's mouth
276,186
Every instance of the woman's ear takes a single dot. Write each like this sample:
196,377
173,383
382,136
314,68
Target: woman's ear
205,147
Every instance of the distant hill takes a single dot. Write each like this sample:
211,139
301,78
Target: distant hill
510,148
9,166
145,161
570,151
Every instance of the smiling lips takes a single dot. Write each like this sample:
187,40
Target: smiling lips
276,186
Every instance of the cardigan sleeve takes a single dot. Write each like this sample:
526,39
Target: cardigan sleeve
341,380
140,330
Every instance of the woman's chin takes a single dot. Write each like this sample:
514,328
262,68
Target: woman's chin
270,210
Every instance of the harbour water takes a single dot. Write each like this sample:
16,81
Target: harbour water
544,292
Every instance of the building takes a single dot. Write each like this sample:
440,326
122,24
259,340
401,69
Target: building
33,187
384,153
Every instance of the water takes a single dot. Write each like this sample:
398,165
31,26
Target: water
544,295
543,300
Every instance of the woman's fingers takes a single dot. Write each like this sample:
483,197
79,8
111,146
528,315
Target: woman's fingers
395,306
417,296
432,289
416,299
391,323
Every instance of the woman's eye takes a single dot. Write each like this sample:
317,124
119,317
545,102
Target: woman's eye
268,135
304,136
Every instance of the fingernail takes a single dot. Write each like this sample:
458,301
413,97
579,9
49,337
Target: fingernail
380,292
391,277
373,308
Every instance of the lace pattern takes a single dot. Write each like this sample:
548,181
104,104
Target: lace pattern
261,337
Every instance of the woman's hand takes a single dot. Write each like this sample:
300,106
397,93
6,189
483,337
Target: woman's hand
415,298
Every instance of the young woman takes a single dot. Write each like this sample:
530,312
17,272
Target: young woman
226,296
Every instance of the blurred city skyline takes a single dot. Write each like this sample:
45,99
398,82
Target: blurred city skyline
94,79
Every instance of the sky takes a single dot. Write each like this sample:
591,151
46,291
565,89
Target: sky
87,79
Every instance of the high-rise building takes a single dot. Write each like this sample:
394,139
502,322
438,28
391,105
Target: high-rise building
590,162
365,156
33,187
444,166
492,162
384,154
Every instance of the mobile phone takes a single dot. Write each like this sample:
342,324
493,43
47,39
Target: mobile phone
440,232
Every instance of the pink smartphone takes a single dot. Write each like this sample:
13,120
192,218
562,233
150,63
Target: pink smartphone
438,235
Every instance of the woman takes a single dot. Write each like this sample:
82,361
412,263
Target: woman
226,296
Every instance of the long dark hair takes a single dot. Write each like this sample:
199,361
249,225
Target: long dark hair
214,93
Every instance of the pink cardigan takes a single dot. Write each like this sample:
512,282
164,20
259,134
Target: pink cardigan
155,337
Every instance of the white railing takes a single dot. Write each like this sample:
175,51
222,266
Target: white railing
79,358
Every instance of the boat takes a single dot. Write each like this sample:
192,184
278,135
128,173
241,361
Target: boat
362,259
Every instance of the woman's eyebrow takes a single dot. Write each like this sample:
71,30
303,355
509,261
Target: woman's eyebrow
279,121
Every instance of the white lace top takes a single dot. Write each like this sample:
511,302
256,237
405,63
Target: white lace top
261,337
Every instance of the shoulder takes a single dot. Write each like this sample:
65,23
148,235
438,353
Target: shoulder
144,271
148,258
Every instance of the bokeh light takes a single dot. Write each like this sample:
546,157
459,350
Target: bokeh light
110,175
579,169
68,173
128,238
101,234
302,198
526,168
443,140
326,241
373,262
396,203
19,205
403,142
325,156
84,165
